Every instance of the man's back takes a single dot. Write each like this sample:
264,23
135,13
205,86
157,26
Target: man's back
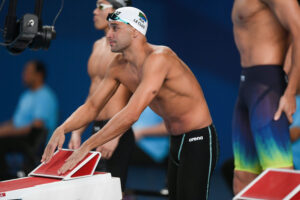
259,36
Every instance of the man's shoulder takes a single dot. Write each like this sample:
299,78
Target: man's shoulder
99,42
161,53
161,50
159,59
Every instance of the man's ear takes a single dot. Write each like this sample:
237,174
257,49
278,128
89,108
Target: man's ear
135,33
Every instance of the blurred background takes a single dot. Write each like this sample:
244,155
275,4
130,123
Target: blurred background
200,32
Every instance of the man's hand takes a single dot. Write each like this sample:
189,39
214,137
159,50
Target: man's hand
57,140
75,141
74,159
108,148
287,104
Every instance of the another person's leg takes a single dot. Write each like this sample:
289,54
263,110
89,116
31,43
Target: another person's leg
246,162
266,84
119,161
9,144
139,157
227,171
272,138
102,165
118,164
3,166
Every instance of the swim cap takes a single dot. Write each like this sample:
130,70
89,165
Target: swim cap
130,15
119,3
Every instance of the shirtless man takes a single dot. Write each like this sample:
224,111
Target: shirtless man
117,152
158,78
266,101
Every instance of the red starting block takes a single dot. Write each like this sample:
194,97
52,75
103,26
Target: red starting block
273,184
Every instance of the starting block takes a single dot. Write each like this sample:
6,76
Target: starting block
84,168
81,182
273,184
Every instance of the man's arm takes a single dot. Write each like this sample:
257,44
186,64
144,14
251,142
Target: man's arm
84,114
295,133
153,77
154,74
90,109
288,14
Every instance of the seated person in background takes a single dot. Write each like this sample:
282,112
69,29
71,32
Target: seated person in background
37,110
295,135
153,149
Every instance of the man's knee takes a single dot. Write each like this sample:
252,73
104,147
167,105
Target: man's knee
241,179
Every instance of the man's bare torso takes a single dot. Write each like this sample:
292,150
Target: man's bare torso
99,61
180,101
260,38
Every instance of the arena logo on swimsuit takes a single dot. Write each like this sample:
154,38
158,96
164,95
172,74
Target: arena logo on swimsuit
195,139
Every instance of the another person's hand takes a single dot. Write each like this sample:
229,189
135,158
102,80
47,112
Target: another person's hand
287,104
138,134
108,148
74,159
4,128
57,140
75,141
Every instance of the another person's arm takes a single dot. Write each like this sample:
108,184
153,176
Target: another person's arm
288,14
39,114
8,129
295,127
288,61
75,140
295,133
156,130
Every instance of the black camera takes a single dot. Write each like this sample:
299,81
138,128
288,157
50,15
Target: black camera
27,31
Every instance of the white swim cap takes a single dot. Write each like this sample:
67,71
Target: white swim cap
130,15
